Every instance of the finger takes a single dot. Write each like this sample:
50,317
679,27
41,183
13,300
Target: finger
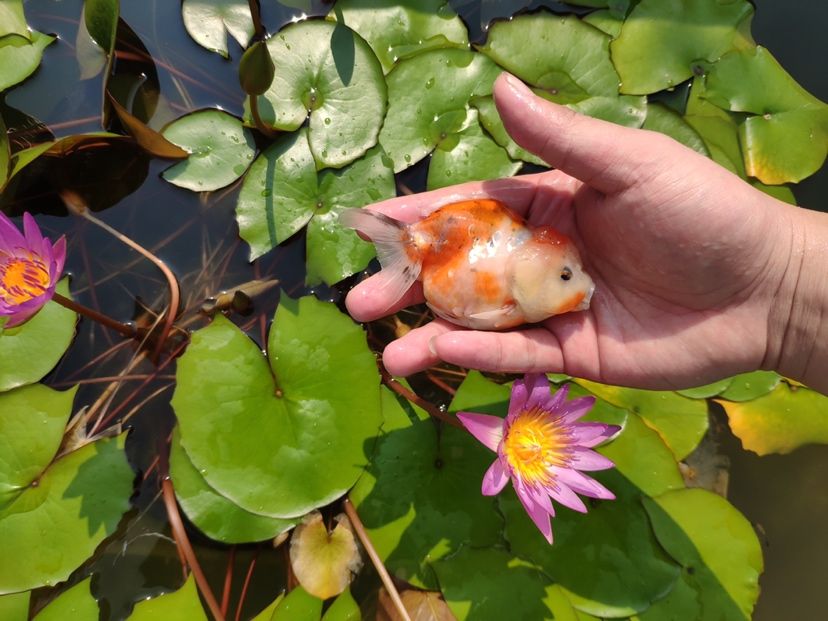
603,155
535,349
366,302
411,353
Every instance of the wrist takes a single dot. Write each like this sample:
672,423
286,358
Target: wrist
798,317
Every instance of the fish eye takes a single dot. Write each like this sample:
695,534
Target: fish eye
566,274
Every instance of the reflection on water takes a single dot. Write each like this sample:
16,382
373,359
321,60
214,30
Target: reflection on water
785,496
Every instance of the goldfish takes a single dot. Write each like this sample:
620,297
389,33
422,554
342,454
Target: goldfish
482,266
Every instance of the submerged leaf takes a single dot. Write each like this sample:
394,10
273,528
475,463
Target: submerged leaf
662,40
18,62
324,562
209,21
146,137
220,150
329,72
29,351
780,421
181,605
76,603
398,30
64,514
717,549
279,450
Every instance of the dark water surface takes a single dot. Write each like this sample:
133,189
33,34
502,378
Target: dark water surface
785,496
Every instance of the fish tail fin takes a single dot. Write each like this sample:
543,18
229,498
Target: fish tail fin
392,242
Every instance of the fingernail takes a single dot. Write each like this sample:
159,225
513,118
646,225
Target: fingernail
432,347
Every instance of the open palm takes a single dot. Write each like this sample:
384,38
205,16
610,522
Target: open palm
686,258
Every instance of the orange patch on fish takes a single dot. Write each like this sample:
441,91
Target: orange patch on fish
487,286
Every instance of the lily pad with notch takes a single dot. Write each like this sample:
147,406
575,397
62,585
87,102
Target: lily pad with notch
209,22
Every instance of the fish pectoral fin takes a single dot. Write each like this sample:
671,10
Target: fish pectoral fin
496,319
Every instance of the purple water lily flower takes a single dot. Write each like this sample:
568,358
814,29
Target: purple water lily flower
30,268
542,449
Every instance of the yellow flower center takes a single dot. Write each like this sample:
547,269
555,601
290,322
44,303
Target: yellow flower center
533,444
22,279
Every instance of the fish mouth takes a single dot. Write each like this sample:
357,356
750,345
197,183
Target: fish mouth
584,303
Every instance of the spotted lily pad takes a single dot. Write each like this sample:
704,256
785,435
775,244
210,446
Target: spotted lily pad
662,119
209,21
787,139
469,155
213,514
428,100
29,351
180,605
680,421
283,192
280,449
76,603
780,421
442,507
65,513
662,41
328,71
716,547
398,30
19,61
220,150
574,69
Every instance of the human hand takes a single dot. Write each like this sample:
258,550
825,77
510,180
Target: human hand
686,258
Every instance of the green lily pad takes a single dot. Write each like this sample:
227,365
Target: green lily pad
18,62
661,41
31,429
91,56
12,20
787,140
779,192
490,120
72,507
5,154
781,421
428,100
344,608
492,584
75,603
617,7
220,150
298,605
180,605
399,30
747,386
267,613
15,606
479,394
213,514
607,21
330,72
662,119
680,421
280,450
29,351
708,390
717,548
282,193
442,507
470,155
209,22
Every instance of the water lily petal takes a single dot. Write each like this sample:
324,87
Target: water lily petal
495,479
573,410
536,512
582,484
538,388
558,398
567,497
58,253
10,237
593,434
487,429
582,458
34,239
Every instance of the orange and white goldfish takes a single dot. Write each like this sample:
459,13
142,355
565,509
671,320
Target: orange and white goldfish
481,265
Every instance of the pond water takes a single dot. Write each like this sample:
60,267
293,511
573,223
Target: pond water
786,497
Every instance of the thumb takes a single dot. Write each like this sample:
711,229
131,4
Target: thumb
605,156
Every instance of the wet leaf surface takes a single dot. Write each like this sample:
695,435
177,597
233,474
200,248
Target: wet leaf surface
181,605
428,98
442,507
15,606
282,193
471,155
780,421
279,452
216,516
76,603
18,62
662,119
490,120
717,548
76,504
398,30
646,53
708,390
324,562
29,351
327,71
209,22
747,386
220,150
